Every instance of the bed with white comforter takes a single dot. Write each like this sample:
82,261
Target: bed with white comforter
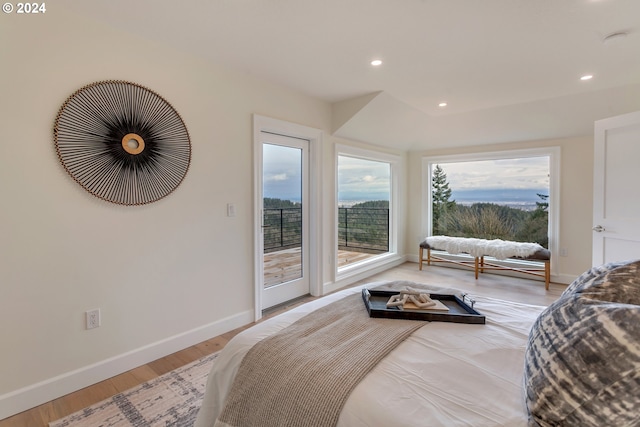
444,374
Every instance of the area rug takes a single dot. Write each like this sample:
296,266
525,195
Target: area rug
172,399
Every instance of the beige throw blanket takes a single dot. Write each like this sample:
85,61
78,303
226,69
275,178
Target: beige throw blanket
303,375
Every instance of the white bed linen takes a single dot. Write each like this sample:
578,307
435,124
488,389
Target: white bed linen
445,374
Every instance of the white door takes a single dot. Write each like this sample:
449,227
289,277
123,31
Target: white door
285,218
616,205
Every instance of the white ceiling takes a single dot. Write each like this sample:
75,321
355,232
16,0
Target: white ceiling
508,69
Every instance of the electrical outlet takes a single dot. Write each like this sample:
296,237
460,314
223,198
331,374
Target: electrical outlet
564,252
92,318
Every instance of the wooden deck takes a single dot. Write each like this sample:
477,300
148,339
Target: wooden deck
282,266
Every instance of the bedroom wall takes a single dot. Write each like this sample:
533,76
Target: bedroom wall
164,275
576,199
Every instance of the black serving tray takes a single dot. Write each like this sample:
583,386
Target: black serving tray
459,311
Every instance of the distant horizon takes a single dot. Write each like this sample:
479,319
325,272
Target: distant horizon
500,181
499,195
479,195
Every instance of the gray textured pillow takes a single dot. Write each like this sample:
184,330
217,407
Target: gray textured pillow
582,362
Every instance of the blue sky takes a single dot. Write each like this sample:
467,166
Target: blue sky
282,171
358,179
361,180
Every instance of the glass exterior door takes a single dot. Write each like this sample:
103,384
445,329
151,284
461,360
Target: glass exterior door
284,218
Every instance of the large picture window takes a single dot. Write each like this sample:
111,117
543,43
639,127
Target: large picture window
365,206
504,195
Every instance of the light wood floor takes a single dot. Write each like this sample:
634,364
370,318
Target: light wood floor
503,287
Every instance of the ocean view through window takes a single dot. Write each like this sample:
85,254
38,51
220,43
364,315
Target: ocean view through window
366,210
365,229
363,208
505,196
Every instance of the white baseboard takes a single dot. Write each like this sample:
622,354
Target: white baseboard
36,394
564,279
362,271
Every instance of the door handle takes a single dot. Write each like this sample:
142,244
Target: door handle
598,228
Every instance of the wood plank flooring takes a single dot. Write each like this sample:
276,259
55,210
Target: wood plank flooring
503,287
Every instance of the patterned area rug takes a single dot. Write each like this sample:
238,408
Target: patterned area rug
172,399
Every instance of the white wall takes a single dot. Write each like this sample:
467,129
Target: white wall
576,199
164,275
161,274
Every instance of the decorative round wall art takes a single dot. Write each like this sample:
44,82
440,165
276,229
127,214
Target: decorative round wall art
122,142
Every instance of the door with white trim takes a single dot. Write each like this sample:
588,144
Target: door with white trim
616,205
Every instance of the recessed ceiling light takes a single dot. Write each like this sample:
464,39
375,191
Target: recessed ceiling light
442,104
376,62
587,77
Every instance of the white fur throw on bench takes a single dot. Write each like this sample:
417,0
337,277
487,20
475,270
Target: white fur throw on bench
499,249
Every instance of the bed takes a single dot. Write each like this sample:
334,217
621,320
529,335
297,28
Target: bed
576,362
444,374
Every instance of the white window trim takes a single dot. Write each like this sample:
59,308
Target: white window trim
429,162
353,271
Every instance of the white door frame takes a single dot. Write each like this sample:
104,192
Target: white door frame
314,136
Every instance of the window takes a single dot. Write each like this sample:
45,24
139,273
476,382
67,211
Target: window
366,227
511,195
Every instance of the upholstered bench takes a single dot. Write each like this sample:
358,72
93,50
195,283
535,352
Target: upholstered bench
479,264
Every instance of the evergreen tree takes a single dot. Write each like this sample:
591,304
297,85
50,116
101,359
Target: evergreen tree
535,228
364,226
441,192
273,203
544,204
373,204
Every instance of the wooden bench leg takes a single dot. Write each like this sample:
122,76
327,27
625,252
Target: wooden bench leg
547,274
476,261
421,256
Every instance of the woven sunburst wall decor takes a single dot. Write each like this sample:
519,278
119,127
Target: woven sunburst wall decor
122,142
